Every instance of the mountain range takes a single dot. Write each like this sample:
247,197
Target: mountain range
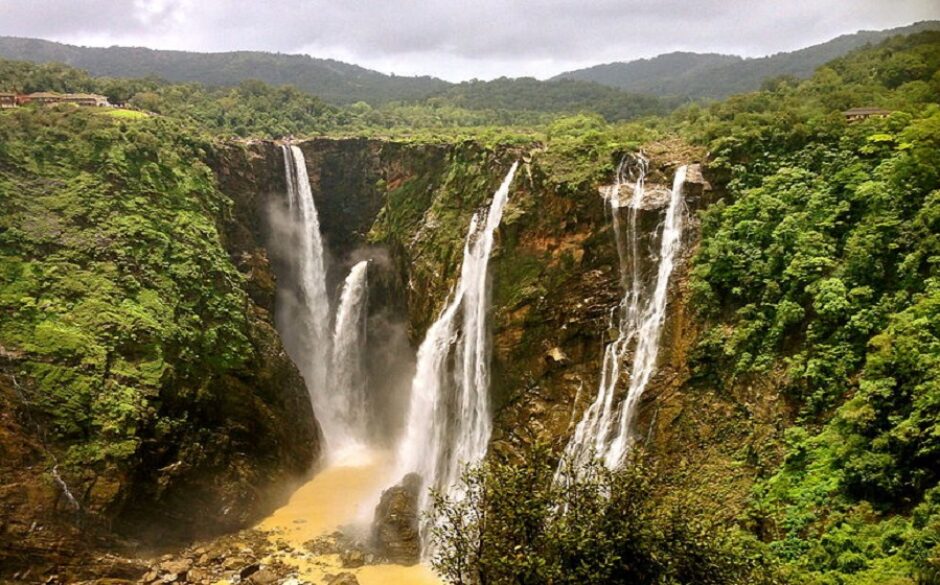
675,75
712,75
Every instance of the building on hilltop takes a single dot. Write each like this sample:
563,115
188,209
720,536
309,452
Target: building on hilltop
47,97
86,99
41,98
856,114
7,100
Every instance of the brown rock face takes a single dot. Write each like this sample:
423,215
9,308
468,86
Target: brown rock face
395,528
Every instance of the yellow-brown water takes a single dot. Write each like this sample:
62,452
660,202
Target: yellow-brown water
334,498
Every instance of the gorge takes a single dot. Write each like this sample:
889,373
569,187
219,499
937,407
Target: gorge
692,348
354,191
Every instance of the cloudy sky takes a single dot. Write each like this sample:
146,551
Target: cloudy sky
460,39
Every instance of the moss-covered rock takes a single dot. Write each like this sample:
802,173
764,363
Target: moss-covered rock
155,385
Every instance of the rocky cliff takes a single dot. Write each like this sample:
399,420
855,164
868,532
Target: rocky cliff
554,273
145,395
555,278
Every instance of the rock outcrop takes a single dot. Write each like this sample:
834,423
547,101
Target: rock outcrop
395,528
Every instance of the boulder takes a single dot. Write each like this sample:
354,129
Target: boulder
263,577
179,566
342,579
695,182
395,528
248,570
352,559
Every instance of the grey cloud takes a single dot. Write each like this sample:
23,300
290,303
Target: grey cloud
459,39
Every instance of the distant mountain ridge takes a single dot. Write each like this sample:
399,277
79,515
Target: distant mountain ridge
334,81
712,75
611,88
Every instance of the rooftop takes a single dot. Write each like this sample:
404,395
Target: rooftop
865,111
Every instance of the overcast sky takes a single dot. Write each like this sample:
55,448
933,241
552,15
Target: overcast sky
460,39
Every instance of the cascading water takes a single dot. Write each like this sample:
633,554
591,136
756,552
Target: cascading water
348,402
605,429
331,364
311,349
448,422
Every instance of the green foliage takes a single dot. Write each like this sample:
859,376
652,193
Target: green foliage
255,109
718,76
528,94
334,81
514,524
113,280
822,264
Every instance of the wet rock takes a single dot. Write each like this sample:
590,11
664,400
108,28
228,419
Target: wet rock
179,566
342,579
248,570
395,528
557,355
264,577
324,545
352,559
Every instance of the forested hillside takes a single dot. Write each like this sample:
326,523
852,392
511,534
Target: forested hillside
819,270
331,80
696,76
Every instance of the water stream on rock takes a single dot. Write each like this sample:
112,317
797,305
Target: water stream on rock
348,401
449,421
605,430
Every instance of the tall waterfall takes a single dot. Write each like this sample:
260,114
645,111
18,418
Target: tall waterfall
348,401
605,429
448,421
310,319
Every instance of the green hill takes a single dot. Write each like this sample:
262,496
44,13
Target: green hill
711,75
332,80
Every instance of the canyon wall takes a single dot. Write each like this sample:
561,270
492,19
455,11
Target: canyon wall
555,278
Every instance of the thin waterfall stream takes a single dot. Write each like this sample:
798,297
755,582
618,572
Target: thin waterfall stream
306,319
349,403
605,430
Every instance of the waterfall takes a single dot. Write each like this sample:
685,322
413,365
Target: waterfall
448,422
348,400
308,319
605,429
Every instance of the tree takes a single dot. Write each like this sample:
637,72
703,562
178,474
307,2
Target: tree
514,523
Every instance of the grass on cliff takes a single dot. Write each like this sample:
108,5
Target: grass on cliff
113,280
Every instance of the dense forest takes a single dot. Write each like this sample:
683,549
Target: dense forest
816,277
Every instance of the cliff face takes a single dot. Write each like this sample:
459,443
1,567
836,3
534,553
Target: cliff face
144,392
555,272
235,435
555,280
